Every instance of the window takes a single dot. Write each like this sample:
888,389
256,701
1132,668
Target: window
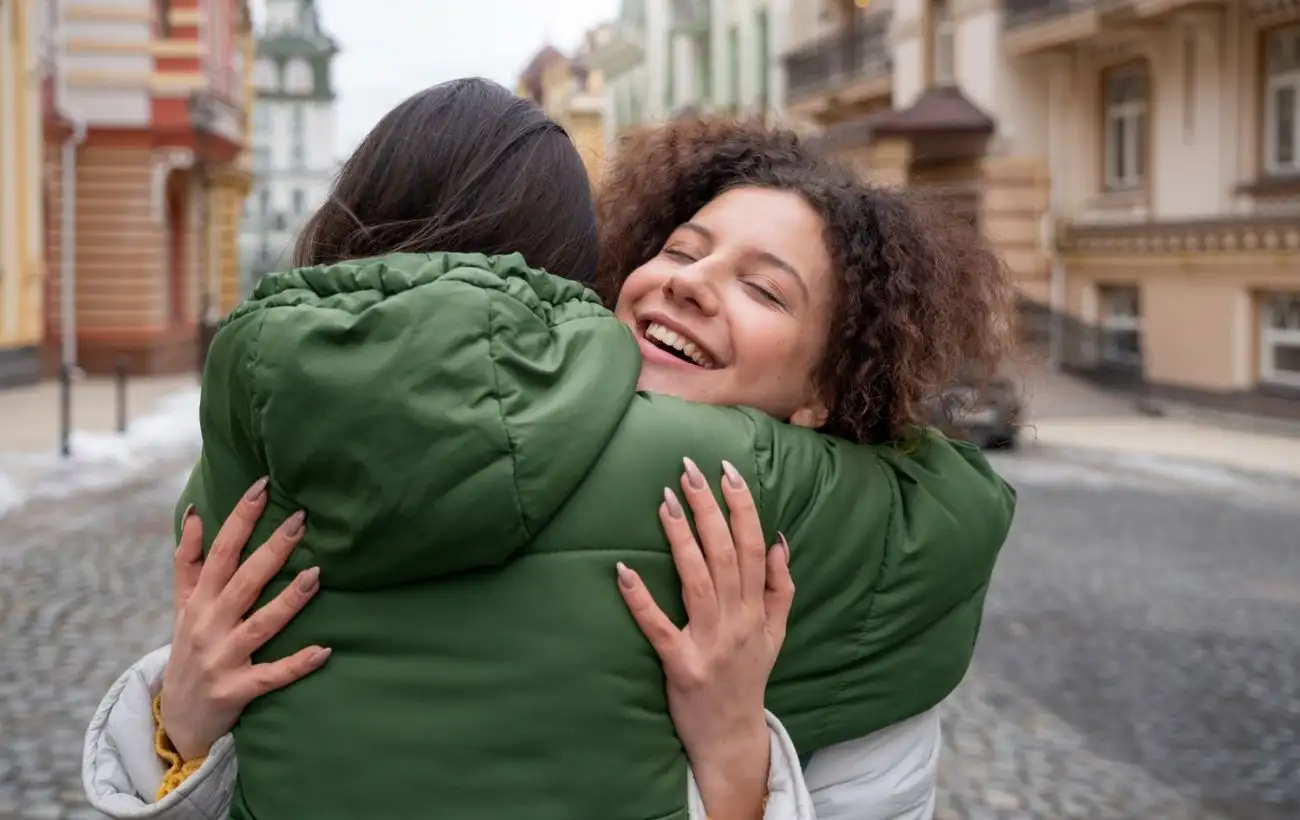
299,202
1279,339
298,132
704,68
1121,325
670,82
733,68
762,35
263,203
298,77
261,159
1126,126
261,121
1282,101
941,44
265,75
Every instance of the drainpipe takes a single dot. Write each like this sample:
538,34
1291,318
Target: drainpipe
67,231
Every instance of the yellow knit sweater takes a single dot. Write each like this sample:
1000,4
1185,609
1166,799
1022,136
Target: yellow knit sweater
178,770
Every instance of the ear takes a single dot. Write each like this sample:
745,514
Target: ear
812,415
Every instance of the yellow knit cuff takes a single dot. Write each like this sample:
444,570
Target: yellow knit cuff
178,771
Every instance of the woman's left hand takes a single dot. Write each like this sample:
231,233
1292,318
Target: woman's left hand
737,595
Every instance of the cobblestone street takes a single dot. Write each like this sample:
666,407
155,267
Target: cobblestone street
1140,656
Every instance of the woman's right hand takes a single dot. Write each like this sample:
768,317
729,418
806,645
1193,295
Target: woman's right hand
210,675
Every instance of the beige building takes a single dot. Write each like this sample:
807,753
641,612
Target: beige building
569,90
1136,161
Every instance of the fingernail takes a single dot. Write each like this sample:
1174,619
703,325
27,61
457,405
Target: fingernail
733,476
693,474
674,506
625,576
185,516
785,548
293,524
309,580
322,655
256,491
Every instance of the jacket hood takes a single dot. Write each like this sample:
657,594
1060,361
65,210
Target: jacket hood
430,412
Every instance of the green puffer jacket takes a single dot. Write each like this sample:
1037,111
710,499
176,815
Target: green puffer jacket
466,437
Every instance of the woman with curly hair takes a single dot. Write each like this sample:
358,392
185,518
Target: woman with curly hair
458,453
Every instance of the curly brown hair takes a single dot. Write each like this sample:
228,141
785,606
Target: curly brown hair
923,301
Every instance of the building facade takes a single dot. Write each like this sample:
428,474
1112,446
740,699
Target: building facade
667,57
293,134
1134,161
22,253
145,174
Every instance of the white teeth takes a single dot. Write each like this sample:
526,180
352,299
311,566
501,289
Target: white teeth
674,340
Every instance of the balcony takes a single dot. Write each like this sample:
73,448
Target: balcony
1033,26
1263,232
1043,25
847,66
691,16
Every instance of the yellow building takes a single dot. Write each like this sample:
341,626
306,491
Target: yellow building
571,93
21,228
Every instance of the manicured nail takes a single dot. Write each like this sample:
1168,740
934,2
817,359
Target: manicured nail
185,516
626,577
322,655
733,476
785,548
693,475
308,580
256,491
674,506
293,524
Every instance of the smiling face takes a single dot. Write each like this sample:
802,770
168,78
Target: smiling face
734,310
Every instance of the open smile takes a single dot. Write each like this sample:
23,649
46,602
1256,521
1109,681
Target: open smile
676,345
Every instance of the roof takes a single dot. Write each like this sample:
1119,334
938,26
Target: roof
940,110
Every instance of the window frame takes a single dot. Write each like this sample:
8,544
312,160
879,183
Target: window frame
1135,141
1270,338
1112,323
1285,78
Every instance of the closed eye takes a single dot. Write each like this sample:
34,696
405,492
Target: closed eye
678,256
765,294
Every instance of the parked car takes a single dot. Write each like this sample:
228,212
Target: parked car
988,415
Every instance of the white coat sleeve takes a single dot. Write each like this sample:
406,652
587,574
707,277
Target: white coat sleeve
889,775
120,771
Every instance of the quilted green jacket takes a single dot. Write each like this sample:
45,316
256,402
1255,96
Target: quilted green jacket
467,439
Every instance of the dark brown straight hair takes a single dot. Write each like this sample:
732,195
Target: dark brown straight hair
464,166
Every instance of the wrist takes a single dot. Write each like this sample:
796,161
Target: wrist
732,777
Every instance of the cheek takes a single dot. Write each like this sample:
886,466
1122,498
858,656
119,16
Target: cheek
642,281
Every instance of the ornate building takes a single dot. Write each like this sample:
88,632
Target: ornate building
293,133
144,178
1135,161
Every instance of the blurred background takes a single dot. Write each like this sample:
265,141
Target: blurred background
1136,163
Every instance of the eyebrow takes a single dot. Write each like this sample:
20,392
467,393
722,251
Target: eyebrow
764,256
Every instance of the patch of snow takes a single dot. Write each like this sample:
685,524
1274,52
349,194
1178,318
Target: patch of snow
103,460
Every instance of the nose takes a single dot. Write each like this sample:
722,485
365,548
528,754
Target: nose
690,287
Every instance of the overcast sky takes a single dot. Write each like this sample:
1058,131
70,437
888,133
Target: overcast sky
393,48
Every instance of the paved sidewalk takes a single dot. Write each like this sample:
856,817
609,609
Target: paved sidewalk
1173,438
31,414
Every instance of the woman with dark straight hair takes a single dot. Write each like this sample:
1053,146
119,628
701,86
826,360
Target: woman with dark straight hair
447,445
